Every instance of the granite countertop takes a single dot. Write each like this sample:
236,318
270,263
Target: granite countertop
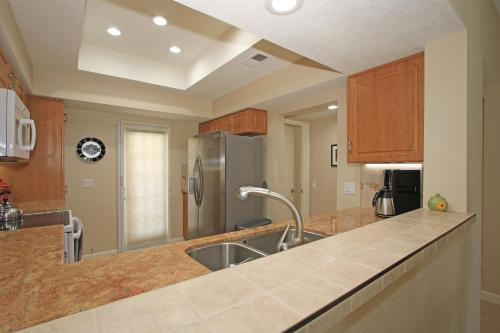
37,287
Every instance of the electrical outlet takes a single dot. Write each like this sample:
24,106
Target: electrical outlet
350,188
88,182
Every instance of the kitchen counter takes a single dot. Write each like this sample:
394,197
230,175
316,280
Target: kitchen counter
29,207
37,287
307,288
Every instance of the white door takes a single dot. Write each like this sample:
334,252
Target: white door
143,186
293,164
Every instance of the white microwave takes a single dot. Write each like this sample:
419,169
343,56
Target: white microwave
17,129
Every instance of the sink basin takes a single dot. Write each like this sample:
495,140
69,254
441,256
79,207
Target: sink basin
224,255
267,242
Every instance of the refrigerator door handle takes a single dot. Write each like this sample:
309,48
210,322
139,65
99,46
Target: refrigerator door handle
196,174
200,167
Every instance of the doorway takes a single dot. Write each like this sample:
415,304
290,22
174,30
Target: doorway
143,186
296,170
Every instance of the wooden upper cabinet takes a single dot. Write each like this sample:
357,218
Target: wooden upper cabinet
386,111
40,181
246,122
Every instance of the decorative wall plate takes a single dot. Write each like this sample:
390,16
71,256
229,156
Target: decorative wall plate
90,149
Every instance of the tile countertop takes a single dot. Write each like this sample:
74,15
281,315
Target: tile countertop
37,287
280,292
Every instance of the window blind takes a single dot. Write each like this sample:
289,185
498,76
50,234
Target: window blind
145,188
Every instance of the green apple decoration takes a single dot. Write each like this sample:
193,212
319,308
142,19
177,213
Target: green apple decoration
438,203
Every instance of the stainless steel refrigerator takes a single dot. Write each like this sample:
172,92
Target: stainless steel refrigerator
218,164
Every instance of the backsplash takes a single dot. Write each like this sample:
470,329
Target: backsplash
372,179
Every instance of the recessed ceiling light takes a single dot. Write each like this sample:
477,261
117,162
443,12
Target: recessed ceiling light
160,20
175,49
114,31
332,107
283,7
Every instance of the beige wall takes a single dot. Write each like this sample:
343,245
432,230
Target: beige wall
274,142
445,120
346,172
97,206
491,216
483,27
323,198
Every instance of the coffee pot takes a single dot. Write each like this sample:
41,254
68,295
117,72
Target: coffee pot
383,201
11,217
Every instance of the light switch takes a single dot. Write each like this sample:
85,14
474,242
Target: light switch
350,188
88,182
314,184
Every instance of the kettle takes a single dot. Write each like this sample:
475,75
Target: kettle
384,203
11,217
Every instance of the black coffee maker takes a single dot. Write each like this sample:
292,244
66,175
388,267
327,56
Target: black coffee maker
403,187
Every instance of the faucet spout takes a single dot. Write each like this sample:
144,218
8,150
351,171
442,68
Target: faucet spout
245,191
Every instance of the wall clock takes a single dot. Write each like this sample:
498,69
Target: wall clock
90,149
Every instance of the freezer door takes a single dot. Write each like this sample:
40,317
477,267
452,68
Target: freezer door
244,167
193,228
211,216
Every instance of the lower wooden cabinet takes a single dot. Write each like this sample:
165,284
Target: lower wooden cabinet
246,122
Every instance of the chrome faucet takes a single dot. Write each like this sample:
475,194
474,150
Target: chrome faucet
245,191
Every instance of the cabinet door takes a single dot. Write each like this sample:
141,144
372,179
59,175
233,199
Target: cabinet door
258,121
385,113
240,122
207,127
40,182
223,124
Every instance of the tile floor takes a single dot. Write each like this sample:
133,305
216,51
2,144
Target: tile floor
490,317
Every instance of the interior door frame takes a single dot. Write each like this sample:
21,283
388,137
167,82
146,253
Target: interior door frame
148,127
304,209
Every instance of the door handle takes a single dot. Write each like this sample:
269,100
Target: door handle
20,139
349,146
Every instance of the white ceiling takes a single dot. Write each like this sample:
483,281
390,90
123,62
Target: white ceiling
192,31
51,30
313,112
235,74
71,35
348,35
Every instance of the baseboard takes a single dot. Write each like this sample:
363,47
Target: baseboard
490,297
99,254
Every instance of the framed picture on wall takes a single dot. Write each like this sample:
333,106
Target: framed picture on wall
333,156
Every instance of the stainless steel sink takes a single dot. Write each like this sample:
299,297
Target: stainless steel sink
224,255
268,242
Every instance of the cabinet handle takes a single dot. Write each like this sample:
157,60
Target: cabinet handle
349,146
